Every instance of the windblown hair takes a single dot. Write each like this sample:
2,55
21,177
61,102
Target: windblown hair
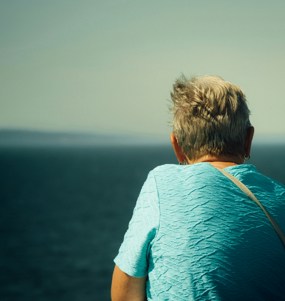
210,116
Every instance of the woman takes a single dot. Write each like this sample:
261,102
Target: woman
194,234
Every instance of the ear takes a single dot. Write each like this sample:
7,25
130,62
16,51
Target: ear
248,140
177,149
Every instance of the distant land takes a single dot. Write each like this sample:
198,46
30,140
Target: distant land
22,138
11,137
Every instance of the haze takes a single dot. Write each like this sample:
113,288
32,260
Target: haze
108,66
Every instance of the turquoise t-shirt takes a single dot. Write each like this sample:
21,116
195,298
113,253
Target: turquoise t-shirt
197,236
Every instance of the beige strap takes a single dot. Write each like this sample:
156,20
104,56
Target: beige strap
274,224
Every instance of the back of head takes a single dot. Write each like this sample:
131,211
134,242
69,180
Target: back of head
210,116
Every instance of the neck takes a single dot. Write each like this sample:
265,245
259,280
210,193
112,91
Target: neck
219,161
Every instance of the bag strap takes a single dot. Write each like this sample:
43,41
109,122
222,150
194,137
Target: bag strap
274,224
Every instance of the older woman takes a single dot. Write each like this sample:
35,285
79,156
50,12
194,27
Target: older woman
194,234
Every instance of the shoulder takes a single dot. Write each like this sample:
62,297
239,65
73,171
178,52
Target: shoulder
175,168
248,173
171,173
166,168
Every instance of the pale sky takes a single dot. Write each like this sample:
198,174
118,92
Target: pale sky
108,66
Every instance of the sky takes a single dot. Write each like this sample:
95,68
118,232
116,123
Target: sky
108,66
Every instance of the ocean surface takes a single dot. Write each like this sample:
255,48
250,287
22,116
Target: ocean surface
64,211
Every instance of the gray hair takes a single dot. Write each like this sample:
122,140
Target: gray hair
210,116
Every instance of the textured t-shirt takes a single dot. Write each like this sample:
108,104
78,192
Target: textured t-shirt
197,236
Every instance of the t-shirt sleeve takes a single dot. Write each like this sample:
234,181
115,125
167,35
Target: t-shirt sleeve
133,253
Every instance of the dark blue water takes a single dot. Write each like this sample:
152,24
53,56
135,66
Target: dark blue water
64,212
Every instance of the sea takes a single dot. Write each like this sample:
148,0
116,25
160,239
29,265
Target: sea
64,211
